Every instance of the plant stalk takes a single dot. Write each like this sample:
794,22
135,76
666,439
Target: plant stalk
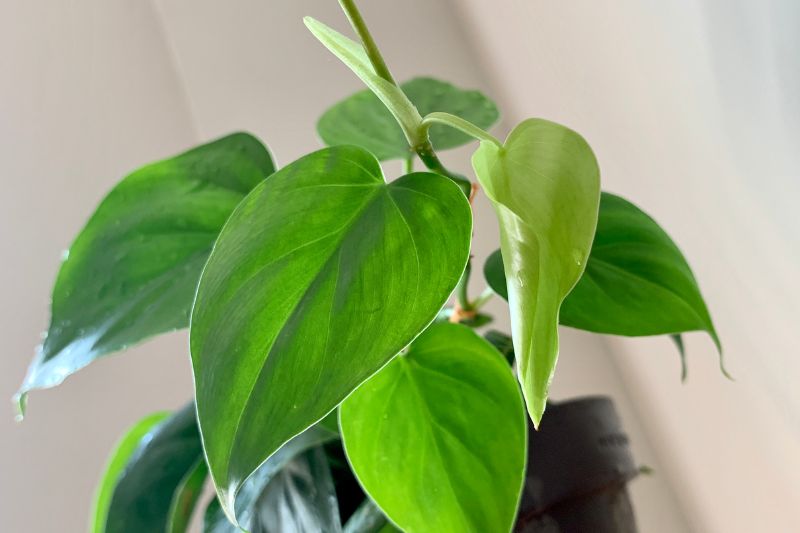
360,27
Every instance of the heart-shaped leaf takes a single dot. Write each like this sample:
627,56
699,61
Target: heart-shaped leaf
321,275
545,187
637,282
250,498
132,271
454,400
363,120
150,468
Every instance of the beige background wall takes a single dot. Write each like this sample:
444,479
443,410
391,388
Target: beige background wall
89,90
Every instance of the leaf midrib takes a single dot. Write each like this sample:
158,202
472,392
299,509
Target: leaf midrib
369,200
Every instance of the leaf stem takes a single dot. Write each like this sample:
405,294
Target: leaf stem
360,27
458,123
484,297
418,136
408,164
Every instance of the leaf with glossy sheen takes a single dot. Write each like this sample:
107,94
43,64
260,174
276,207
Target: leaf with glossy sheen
185,498
248,499
122,453
139,496
363,120
321,275
438,437
545,187
353,55
300,498
132,271
637,282
368,518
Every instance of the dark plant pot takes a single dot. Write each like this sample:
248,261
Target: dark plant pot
579,465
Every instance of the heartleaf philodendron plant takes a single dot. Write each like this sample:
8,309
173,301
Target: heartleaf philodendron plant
334,391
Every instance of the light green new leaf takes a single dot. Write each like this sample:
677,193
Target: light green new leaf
353,55
637,282
438,437
363,120
148,471
545,187
321,275
132,271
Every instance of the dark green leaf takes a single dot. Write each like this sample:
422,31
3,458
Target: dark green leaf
186,496
438,437
363,120
321,275
545,187
637,282
678,340
133,270
495,274
141,493
502,343
122,453
300,498
369,519
248,499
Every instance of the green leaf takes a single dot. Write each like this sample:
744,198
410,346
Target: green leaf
355,57
637,282
122,453
363,120
132,271
321,275
438,437
545,187
185,498
248,500
301,497
139,486
495,274
368,518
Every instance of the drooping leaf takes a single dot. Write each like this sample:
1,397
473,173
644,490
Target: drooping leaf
363,120
132,271
321,275
248,499
678,340
353,55
637,282
438,437
368,518
545,187
138,488
639,279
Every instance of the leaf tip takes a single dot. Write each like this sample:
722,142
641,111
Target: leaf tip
20,401
536,411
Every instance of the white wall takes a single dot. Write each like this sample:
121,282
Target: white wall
692,109
87,93
90,90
